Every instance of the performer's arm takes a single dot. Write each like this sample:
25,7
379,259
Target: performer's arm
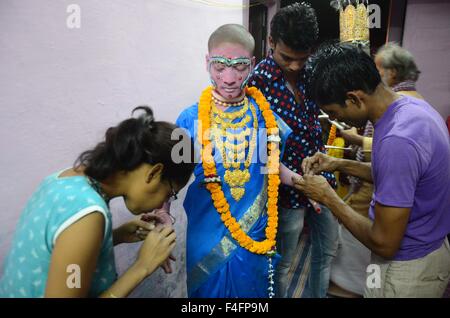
287,176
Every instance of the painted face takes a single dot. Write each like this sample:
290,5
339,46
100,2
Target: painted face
290,61
350,114
229,66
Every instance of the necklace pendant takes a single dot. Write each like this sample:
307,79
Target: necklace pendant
237,193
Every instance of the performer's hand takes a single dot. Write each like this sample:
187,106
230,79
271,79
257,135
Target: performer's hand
135,230
317,163
167,265
316,188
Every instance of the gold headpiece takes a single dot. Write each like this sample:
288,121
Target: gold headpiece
353,23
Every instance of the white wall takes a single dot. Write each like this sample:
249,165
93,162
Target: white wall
61,88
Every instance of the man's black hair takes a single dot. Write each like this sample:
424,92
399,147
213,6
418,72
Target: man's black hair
336,69
296,25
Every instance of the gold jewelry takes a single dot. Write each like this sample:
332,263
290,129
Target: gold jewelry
227,104
220,202
353,23
229,125
235,145
230,115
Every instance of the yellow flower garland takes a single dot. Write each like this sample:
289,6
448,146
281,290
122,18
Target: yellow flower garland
217,195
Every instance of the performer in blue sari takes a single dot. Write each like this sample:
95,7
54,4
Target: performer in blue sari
226,259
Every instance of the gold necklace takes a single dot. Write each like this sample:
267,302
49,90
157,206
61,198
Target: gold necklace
227,104
234,148
230,115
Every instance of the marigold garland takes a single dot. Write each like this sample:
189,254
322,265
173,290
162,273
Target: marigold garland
332,135
273,164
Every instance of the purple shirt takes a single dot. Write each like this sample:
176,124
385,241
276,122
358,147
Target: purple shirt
411,169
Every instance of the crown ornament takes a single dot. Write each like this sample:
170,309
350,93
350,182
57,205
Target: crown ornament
353,21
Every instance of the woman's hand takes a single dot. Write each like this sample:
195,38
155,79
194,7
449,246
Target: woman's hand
156,248
166,220
136,230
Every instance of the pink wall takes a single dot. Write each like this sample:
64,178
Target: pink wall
427,36
272,9
61,88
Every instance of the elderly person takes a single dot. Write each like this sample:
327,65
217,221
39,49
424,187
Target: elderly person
398,69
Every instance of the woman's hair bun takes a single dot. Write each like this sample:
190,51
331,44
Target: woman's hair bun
146,116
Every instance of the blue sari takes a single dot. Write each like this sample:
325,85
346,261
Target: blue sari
216,265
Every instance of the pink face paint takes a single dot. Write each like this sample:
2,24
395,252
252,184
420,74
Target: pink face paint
229,79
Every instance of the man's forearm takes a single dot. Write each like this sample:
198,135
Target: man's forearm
362,170
355,139
359,225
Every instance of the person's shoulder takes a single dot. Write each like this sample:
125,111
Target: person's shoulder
415,112
263,64
188,117
262,70
66,199
75,193
189,113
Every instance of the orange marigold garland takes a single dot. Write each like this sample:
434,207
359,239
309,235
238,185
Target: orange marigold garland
332,135
214,186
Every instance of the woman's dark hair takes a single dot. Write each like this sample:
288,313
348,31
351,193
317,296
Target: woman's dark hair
296,25
133,142
337,68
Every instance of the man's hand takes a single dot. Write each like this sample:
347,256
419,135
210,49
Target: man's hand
351,136
316,188
317,163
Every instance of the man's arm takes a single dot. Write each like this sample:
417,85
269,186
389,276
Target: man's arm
394,195
321,162
351,136
383,235
362,170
